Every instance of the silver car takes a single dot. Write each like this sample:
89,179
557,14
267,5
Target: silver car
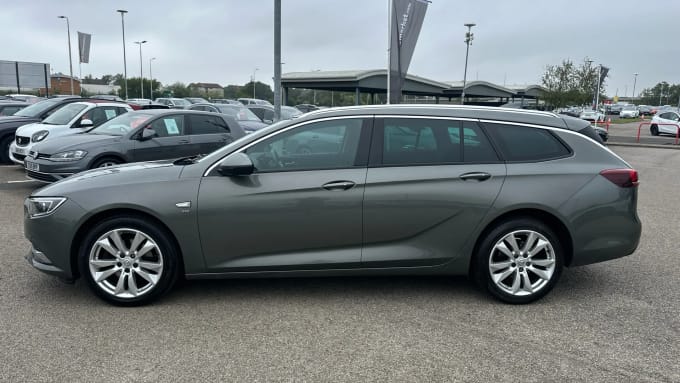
509,197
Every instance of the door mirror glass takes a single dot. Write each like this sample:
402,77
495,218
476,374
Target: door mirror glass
237,164
85,123
148,134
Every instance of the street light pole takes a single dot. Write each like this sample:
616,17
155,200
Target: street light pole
141,70
468,40
122,22
254,71
70,61
597,93
151,79
634,83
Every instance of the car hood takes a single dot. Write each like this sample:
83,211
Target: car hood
252,125
131,176
17,119
28,130
81,141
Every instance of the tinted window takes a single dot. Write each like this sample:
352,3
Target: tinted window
476,147
10,110
421,141
269,115
322,145
169,126
259,112
523,143
205,124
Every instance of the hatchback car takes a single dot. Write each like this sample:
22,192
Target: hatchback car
146,135
667,122
509,197
247,119
629,111
174,103
73,118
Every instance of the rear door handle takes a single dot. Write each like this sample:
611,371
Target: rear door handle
339,185
183,141
479,176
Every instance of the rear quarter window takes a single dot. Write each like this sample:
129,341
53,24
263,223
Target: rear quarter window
526,144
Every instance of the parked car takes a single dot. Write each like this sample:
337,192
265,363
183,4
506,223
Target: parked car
266,112
572,111
196,100
9,108
108,97
615,108
253,101
29,98
629,111
591,115
174,103
247,119
147,135
645,110
139,101
665,122
306,108
146,105
74,118
521,198
34,113
225,101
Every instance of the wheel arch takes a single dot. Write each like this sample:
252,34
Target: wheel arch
98,157
555,223
119,212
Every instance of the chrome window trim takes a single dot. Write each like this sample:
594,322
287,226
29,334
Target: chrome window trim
272,134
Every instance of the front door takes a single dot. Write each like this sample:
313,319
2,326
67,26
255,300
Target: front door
298,211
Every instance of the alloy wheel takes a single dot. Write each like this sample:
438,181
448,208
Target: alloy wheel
125,263
522,262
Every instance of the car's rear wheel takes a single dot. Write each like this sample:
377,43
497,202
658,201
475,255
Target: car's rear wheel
106,162
519,261
5,142
128,261
654,130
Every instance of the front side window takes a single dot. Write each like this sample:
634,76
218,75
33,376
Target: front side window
329,144
169,126
524,143
206,124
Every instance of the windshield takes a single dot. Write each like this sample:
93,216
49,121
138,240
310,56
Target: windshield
65,114
288,112
181,101
121,125
238,112
36,109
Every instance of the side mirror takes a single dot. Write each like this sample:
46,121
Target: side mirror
238,164
148,134
85,123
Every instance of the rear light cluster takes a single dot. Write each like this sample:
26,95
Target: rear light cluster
625,178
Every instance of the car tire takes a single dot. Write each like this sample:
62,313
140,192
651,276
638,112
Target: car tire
522,272
654,130
105,162
5,142
128,260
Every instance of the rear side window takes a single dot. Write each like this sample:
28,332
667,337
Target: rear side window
206,124
524,143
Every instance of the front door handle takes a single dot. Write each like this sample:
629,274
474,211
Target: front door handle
339,185
183,142
479,176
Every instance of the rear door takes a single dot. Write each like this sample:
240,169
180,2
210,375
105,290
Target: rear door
429,184
208,132
171,141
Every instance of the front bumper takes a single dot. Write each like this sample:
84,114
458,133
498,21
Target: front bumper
18,153
38,260
50,171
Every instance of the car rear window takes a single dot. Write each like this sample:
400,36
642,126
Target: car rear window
526,144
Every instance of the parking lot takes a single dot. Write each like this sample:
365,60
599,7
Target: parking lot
616,321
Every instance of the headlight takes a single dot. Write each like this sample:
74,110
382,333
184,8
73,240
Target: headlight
71,155
43,206
39,136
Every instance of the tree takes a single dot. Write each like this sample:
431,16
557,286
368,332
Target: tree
662,93
568,84
177,89
133,85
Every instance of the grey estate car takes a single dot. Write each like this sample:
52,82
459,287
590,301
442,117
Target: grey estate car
509,197
144,135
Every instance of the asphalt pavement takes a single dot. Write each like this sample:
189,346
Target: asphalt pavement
617,321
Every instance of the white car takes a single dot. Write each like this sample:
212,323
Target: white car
591,115
665,117
629,111
70,119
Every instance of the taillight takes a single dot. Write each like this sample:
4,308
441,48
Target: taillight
625,178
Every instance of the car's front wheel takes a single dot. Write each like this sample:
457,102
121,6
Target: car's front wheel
654,130
128,261
519,261
106,162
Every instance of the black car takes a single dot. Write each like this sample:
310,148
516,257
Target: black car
144,135
266,112
247,119
33,113
9,108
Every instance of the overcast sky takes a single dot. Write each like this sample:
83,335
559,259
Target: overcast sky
223,41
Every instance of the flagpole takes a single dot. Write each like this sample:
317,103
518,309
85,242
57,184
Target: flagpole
389,47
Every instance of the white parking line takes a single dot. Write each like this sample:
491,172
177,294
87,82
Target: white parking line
20,181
